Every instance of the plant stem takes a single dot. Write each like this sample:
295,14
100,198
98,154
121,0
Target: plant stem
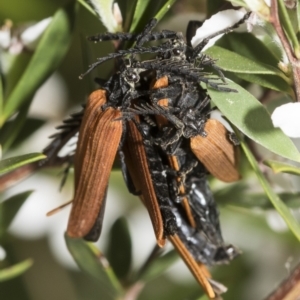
134,291
275,21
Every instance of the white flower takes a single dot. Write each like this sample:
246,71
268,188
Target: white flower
110,14
2,253
261,7
31,36
4,37
287,118
220,20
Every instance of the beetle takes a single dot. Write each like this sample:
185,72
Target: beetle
148,176
196,245
190,183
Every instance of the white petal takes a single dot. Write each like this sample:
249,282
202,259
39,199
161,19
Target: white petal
217,22
275,221
4,38
287,117
106,11
2,253
117,14
262,7
30,37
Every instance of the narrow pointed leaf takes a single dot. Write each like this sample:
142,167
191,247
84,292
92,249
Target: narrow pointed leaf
146,9
238,195
9,164
15,270
280,167
139,12
160,265
16,65
46,59
165,8
287,24
233,62
1,95
87,6
31,125
268,81
247,45
9,209
278,204
204,297
119,238
252,118
239,3
104,9
93,263
11,129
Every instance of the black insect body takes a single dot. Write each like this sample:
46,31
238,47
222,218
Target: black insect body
204,242
192,175
206,214
175,47
189,121
174,56
159,178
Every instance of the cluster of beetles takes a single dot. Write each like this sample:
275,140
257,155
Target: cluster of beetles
155,115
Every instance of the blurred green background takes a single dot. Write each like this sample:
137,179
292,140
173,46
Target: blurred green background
269,249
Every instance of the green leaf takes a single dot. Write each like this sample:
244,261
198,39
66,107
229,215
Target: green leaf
204,297
119,238
1,94
159,265
46,59
233,62
104,9
147,9
17,64
213,7
252,118
127,8
15,270
269,81
139,12
87,6
291,200
298,17
31,125
247,45
91,261
281,208
280,100
9,164
280,167
164,9
9,208
238,196
239,3
11,129
287,24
